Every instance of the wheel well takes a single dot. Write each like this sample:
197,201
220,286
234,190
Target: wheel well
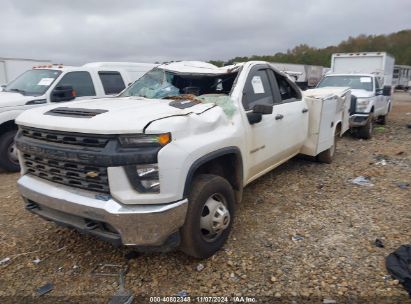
338,128
228,166
7,126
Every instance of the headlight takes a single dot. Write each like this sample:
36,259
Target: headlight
144,178
133,141
362,104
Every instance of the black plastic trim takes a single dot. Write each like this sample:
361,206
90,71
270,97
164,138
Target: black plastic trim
111,155
206,158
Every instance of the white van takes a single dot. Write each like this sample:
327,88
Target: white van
57,83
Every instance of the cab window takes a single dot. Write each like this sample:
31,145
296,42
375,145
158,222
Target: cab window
257,90
112,82
287,91
80,81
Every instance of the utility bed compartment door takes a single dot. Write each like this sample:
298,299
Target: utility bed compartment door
326,109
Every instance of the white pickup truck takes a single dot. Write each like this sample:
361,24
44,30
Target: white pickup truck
369,75
49,83
164,163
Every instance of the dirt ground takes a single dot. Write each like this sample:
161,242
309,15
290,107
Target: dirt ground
332,257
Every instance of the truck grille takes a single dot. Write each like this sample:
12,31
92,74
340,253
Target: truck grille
68,173
87,140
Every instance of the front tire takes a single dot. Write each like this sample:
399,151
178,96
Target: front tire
210,214
365,132
8,152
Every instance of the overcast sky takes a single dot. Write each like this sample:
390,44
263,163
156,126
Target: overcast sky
79,31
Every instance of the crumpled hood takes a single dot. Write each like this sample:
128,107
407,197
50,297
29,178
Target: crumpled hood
116,115
362,93
11,99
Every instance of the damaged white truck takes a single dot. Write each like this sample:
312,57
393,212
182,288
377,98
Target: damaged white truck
164,164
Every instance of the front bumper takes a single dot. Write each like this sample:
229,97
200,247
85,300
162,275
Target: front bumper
134,225
358,120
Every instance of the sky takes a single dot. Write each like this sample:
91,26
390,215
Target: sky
80,31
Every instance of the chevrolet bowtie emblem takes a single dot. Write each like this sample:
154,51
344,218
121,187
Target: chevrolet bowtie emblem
92,174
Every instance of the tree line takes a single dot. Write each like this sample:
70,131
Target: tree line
397,44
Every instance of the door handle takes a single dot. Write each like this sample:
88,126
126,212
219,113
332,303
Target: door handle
304,110
279,116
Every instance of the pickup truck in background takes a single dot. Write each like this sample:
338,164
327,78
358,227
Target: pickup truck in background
47,84
10,68
370,77
164,164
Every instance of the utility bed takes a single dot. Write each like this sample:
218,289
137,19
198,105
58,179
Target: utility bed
325,106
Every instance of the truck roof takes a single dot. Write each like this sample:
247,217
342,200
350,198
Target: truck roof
198,67
352,74
361,54
94,65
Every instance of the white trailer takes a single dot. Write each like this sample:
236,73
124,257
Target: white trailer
10,68
379,63
306,76
402,77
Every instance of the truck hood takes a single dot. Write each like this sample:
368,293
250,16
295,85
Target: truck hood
11,99
113,115
362,93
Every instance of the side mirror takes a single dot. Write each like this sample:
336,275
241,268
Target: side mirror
62,93
378,92
257,114
386,91
2,87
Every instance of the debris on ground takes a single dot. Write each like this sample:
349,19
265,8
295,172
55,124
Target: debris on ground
398,264
182,294
5,261
382,162
362,181
379,243
297,238
122,296
403,185
329,301
45,289
200,267
36,261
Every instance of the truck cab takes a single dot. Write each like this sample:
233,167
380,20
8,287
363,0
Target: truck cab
51,84
164,163
370,100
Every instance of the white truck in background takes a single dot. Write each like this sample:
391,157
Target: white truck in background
402,77
51,83
10,68
370,76
306,76
164,163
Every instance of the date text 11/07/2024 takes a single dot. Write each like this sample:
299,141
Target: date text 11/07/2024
203,299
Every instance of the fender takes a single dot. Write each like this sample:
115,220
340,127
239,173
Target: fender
208,157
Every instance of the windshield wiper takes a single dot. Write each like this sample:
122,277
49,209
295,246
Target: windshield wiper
17,90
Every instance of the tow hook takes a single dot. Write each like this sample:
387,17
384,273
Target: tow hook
91,225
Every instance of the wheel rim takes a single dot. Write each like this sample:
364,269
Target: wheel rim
215,217
12,153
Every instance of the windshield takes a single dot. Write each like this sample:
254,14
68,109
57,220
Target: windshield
159,83
33,82
354,82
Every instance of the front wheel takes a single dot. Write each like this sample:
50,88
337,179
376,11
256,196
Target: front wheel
209,217
8,152
365,132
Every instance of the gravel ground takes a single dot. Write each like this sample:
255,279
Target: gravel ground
333,256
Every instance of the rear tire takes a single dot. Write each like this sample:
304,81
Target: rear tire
209,218
8,152
327,156
365,132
